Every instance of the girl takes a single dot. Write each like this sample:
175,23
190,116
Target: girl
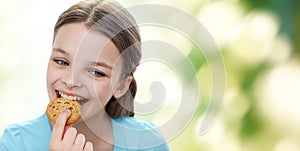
96,49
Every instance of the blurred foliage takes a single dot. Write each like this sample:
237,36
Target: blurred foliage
285,10
288,13
253,123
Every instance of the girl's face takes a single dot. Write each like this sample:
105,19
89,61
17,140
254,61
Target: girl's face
85,66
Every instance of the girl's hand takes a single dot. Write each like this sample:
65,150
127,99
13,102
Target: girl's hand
65,138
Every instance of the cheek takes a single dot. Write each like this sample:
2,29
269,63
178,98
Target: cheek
50,75
103,92
51,78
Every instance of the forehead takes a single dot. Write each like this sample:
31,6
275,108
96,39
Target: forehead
77,39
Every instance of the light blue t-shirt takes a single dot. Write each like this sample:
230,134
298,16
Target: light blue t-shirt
129,133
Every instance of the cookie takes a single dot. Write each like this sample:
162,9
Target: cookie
56,106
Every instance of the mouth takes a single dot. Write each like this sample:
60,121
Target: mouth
79,99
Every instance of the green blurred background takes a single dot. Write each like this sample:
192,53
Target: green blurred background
259,41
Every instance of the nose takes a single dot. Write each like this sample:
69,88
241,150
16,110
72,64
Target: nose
71,80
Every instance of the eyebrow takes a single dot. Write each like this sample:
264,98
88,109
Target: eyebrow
61,51
103,64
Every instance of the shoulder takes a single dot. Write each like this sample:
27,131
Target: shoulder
20,135
134,123
38,125
11,139
132,133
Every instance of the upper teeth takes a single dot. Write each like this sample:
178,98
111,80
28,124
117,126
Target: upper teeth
75,98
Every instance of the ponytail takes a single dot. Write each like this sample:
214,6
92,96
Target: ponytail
124,106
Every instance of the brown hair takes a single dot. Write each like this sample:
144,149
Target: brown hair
111,19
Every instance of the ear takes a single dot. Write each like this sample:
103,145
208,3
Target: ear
123,87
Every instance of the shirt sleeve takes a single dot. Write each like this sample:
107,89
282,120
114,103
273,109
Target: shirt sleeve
152,140
11,140
136,135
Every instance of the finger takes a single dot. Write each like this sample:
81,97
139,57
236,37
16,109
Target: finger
88,146
65,129
79,143
59,126
69,138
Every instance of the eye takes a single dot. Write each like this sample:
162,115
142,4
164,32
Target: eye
97,73
61,62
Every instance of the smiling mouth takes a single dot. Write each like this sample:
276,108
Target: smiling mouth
80,100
